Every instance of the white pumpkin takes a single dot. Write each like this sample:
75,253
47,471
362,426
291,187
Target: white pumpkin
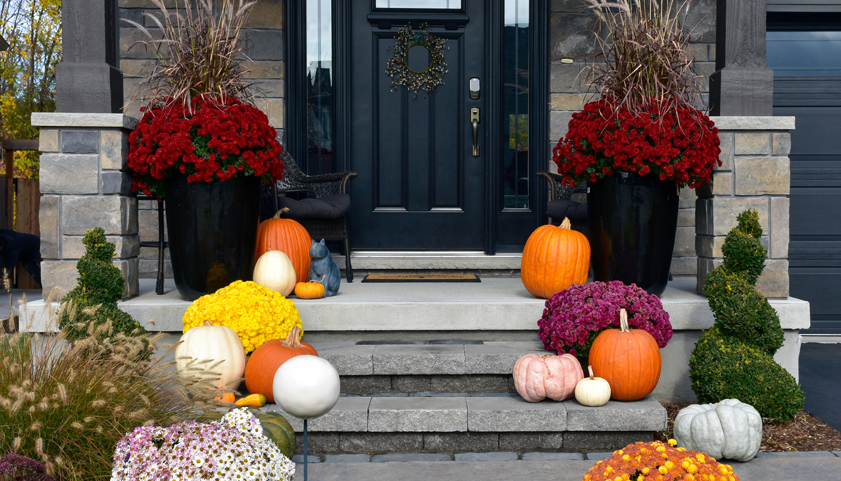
306,386
211,353
592,391
729,429
275,271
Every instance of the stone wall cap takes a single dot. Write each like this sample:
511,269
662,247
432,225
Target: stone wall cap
65,119
754,123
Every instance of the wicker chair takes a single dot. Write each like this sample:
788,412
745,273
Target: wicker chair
321,186
560,202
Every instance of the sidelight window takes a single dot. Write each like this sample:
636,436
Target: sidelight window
516,168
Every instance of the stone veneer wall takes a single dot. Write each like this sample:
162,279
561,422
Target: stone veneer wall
85,184
266,45
755,173
571,38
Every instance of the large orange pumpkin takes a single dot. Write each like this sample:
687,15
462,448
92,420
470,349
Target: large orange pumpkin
266,359
554,259
629,360
289,237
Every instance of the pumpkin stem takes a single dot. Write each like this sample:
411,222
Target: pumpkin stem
566,224
623,321
279,213
319,281
590,368
208,323
293,340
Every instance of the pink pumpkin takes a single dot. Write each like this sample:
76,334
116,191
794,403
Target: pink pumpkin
538,377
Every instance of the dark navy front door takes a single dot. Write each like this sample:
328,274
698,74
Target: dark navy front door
419,185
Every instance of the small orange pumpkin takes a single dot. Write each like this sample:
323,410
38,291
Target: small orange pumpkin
266,359
628,359
227,397
310,290
554,259
289,237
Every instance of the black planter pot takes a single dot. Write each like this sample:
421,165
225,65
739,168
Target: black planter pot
212,232
632,220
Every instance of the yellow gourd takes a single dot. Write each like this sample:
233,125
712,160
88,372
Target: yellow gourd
254,400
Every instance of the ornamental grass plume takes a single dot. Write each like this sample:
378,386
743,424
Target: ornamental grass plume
67,404
646,58
230,449
659,461
257,314
575,316
200,53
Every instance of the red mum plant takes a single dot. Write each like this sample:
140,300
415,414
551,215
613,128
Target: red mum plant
671,141
575,316
209,142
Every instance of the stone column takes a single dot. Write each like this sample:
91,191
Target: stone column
755,174
85,184
741,85
87,78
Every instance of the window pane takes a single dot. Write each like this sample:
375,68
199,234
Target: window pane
419,4
516,167
319,71
804,54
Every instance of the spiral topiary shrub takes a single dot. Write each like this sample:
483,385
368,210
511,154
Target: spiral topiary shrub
734,359
742,312
722,368
94,299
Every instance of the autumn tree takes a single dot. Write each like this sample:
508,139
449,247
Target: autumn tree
27,70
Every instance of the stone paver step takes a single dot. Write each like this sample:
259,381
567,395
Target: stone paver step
352,359
481,415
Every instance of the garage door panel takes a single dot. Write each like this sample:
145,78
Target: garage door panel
815,211
811,283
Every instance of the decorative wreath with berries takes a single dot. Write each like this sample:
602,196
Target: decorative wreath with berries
397,67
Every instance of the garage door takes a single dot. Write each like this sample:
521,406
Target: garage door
807,86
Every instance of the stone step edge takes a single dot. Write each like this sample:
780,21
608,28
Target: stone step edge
480,415
352,359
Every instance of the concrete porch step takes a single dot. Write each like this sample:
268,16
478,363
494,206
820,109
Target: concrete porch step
461,423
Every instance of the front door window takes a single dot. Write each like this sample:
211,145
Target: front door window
319,87
515,113
420,4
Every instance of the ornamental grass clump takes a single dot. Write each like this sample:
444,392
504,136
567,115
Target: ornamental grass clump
574,317
230,449
734,359
67,404
255,313
659,461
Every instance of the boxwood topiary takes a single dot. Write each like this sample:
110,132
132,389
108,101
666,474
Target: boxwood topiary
742,312
94,299
721,367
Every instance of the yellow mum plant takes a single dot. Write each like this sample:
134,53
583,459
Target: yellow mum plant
255,313
656,461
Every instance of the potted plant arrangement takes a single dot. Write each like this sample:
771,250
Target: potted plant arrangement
639,142
202,146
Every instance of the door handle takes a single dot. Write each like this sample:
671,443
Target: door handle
474,119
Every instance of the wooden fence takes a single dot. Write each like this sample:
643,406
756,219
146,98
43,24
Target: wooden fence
21,201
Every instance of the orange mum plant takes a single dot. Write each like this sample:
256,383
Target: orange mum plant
657,461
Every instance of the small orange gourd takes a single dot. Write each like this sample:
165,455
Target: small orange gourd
628,359
227,397
266,359
554,259
289,237
310,290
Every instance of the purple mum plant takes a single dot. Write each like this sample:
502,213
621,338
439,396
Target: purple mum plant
574,317
19,468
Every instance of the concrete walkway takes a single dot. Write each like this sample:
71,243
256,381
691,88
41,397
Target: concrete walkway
788,467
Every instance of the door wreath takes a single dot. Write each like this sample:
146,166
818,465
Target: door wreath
397,67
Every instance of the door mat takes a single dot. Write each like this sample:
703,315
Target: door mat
421,278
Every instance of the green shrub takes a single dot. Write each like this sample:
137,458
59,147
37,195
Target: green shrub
721,367
94,299
743,252
742,312
68,405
